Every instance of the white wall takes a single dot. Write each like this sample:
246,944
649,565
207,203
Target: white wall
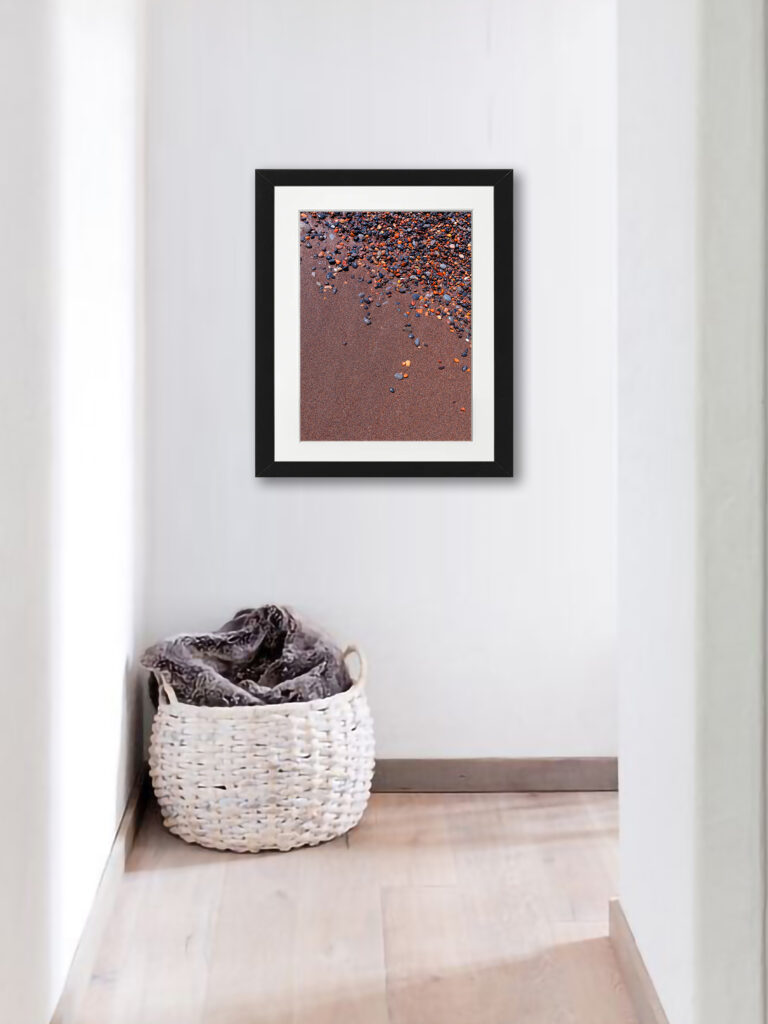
70,254
691,486
656,487
26,311
486,607
96,706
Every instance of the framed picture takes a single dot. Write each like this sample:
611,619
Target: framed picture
384,312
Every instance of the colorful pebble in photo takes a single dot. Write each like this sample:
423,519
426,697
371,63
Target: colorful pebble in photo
386,325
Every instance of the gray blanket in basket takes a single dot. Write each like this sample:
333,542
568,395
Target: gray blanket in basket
261,656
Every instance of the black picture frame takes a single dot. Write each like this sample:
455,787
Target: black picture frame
503,342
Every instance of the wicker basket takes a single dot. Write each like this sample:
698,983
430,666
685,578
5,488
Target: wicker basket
271,777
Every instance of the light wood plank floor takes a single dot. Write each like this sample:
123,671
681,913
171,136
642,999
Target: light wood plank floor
437,909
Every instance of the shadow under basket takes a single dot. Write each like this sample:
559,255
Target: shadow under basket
270,777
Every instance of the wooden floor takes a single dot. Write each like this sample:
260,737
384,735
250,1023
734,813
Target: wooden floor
437,909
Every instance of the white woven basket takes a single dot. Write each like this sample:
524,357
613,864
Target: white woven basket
271,777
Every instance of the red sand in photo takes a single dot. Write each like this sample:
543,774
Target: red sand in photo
349,388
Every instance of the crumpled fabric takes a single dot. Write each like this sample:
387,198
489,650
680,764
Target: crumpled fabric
261,656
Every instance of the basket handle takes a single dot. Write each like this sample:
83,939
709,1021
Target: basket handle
351,649
164,689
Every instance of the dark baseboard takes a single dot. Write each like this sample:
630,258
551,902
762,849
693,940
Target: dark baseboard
496,775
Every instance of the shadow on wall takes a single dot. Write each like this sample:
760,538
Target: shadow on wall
516,294
39,924
25,852
26,316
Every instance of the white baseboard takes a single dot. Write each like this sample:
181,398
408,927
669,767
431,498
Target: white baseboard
637,980
83,962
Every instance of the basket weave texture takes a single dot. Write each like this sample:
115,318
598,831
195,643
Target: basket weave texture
271,777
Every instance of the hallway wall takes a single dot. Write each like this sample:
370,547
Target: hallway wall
486,607
691,482
70,311
26,312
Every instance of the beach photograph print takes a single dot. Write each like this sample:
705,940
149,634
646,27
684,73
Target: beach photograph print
385,325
